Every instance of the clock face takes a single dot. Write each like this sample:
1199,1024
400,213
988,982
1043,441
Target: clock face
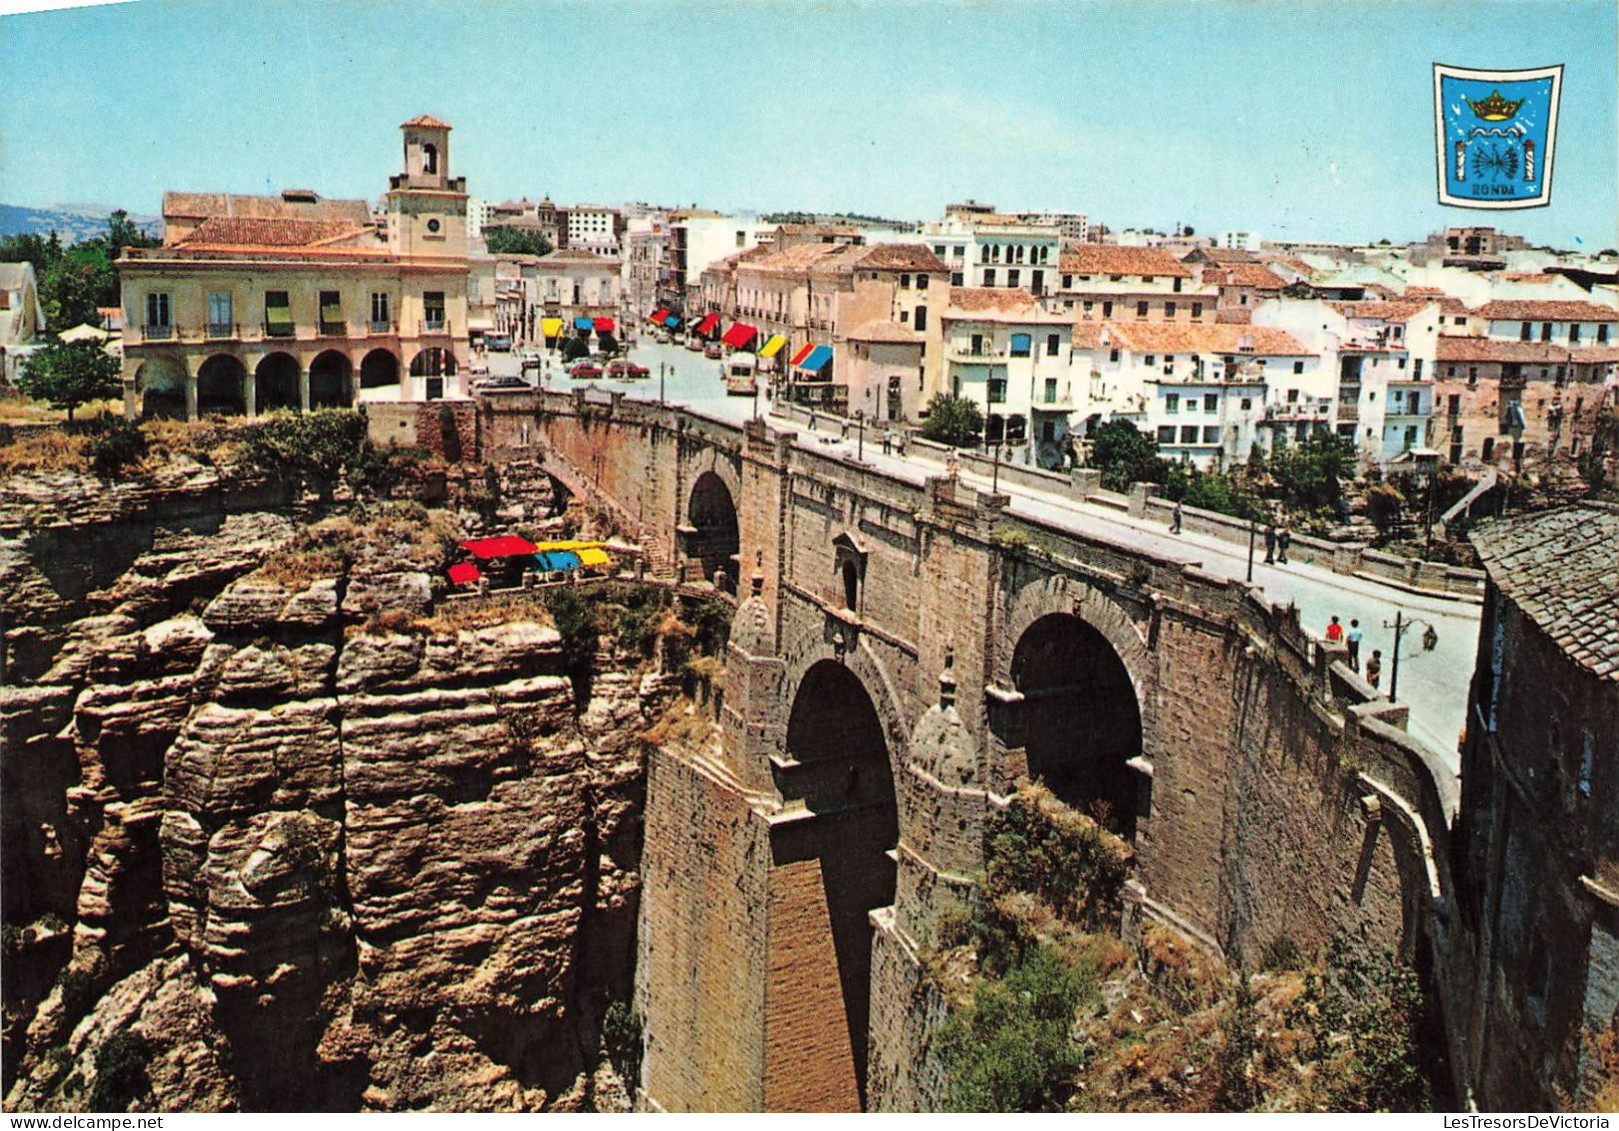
432,225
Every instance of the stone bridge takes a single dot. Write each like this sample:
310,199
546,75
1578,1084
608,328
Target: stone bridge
902,657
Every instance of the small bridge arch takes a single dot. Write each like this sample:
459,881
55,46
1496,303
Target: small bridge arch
711,528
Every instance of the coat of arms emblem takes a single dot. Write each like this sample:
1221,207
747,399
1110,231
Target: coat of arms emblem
1495,131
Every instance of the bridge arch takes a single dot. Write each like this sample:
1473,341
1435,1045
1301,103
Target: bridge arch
835,868
1082,675
714,539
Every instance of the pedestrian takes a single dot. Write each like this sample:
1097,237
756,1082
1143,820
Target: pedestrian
1175,518
1430,639
1353,640
844,435
1374,667
1335,631
902,443
888,441
812,420
1284,537
1270,543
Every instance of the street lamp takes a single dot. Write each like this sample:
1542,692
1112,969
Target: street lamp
995,480
860,437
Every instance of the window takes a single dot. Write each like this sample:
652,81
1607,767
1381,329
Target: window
331,312
1545,331
1573,332
1051,390
1453,404
1152,359
277,314
978,345
922,282
1298,367
921,320
1113,354
1211,402
1524,332
1037,281
379,310
221,315
1177,284
1141,310
1247,403
955,279
1068,282
960,251
1172,402
1169,310
157,310
741,239
429,158
1292,396
1021,345
1166,433
433,227
905,281
904,316
997,390
989,276
1197,310
1107,309
1013,275
1472,375
433,308
1402,363
1416,369
1148,278
1053,344
938,249
1211,433
1188,433
1089,305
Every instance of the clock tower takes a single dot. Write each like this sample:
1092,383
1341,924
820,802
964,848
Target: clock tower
427,208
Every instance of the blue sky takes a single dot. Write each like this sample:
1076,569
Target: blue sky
1301,119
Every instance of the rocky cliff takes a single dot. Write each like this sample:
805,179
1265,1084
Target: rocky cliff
284,829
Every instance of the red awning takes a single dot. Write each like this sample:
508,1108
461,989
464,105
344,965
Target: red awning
659,315
706,326
604,325
464,573
507,546
809,348
739,335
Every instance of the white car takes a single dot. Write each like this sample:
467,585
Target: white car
831,445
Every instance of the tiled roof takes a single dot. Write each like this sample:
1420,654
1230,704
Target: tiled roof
1293,264
198,205
799,257
1193,337
427,121
818,229
1104,259
1561,568
1229,255
884,331
237,231
992,300
1458,348
1255,275
1547,310
900,256
1381,310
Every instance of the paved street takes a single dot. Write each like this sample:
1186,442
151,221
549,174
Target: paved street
1433,684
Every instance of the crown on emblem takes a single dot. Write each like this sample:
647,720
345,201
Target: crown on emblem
1495,108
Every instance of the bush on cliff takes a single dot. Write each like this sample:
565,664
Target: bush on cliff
120,1072
322,444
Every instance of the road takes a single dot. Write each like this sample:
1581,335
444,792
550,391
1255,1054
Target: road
1433,684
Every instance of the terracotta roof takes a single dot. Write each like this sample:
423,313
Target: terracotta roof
198,205
884,331
1255,275
1461,348
1192,337
1229,255
819,229
1103,259
1381,310
1293,264
1235,314
900,256
1561,568
238,231
426,121
992,300
799,257
1547,310
1527,277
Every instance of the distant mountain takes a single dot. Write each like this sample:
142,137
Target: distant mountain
69,223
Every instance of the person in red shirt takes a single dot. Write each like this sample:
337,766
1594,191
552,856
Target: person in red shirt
1335,631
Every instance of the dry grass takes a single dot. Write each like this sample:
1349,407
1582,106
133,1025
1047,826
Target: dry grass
47,450
211,442
22,410
684,724
451,617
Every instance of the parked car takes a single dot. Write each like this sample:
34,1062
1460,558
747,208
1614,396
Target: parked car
477,367
694,343
584,370
623,369
713,350
501,382
499,343
665,337
530,359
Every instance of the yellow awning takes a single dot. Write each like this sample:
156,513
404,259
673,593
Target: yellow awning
551,327
773,346
575,545
589,557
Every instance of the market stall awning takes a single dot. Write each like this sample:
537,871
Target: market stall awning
673,321
659,315
604,325
739,335
485,325
506,546
773,346
817,359
547,547
83,332
464,573
551,327
553,561
809,348
592,557
584,324
706,326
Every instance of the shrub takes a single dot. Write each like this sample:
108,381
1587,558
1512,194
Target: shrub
120,1072
1241,1054
1281,953
1384,504
1061,856
621,1038
115,444
953,420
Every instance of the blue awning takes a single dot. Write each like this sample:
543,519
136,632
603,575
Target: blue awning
817,360
584,324
552,561
1020,345
672,321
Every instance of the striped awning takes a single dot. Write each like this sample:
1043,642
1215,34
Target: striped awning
604,325
706,326
809,348
584,324
773,346
739,335
817,359
551,327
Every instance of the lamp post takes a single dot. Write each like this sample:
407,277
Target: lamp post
1253,528
860,437
995,480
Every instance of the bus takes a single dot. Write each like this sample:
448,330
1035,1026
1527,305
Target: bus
739,373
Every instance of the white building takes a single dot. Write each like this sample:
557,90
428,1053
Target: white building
479,213
594,228
989,250
1240,240
697,240
1073,227
22,318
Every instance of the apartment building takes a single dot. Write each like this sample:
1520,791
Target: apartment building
1011,356
988,250
1103,283
572,289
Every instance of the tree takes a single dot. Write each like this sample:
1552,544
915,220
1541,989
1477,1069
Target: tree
953,420
68,374
1125,455
1309,475
516,241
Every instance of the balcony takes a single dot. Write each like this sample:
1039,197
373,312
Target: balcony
434,326
333,329
1348,411
216,331
383,326
151,333
279,330
982,355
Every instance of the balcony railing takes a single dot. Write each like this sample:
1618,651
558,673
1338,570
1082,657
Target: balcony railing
434,326
383,326
218,330
279,330
333,329
152,333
